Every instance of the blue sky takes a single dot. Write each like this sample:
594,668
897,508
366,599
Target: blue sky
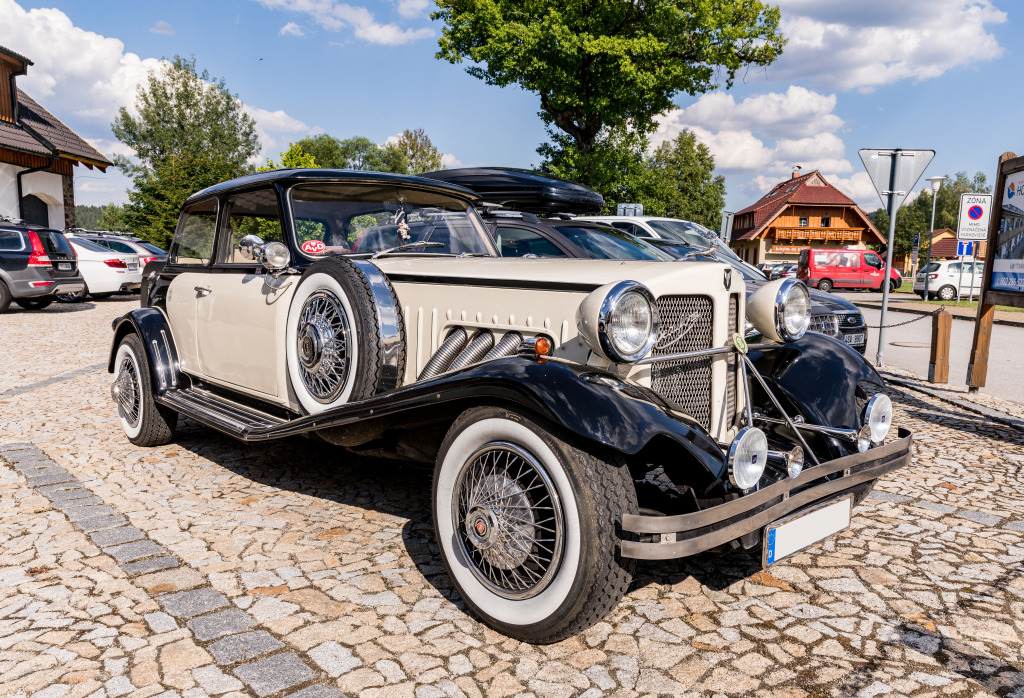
870,73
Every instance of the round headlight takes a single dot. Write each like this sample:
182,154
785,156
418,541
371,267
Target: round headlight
276,255
748,454
792,310
795,462
878,417
864,439
628,322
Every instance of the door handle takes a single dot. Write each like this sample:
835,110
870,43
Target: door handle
203,291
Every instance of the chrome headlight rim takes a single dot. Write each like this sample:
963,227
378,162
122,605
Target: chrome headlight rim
736,478
276,256
782,299
880,405
615,295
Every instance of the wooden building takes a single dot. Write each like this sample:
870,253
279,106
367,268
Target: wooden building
38,154
803,211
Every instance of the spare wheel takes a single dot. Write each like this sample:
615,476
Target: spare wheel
345,338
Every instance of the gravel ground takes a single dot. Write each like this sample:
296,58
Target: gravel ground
211,568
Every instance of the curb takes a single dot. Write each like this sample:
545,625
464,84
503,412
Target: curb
969,318
966,405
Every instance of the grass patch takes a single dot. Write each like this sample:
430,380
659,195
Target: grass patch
971,304
906,287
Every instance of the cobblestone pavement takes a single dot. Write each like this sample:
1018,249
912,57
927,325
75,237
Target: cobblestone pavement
211,568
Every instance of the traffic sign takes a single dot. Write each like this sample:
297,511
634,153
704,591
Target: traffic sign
975,212
964,248
882,167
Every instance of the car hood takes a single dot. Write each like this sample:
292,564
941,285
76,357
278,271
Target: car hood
834,303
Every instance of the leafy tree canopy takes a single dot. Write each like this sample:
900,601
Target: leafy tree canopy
190,133
421,154
295,156
356,153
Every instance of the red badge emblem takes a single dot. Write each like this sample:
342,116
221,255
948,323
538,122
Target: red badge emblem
480,527
313,247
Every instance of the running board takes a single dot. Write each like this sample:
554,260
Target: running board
216,412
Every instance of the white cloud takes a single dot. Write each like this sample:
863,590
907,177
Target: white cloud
412,8
859,188
292,29
450,162
862,45
162,27
335,16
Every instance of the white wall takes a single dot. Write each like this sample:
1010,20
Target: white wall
46,185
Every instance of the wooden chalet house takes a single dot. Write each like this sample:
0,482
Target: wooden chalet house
803,211
38,154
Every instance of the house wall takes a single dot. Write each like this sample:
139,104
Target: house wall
46,185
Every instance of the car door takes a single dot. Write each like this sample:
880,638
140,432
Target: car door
871,270
241,310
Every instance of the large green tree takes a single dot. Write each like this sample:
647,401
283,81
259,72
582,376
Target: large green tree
189,133
602,66
421,154
356,153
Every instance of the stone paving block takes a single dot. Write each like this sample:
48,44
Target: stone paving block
1015,526
99,523
241,648
334,659
13,446
214,682
64,504
889,497
116,536
273,674
76,514
129,552
51,477
160,622
980,517
188,604
935,506
65,490
317,690
153,564
221,623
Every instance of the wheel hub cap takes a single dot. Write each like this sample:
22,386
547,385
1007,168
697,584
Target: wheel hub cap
126,392
323,347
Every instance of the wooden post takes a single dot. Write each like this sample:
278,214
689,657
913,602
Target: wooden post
938,365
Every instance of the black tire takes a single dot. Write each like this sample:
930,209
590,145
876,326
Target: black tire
893,285
586,581
364,367
76,297
34,303
5,296
946,293
825,285
101,296
145,423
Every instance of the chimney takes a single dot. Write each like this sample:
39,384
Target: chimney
796,171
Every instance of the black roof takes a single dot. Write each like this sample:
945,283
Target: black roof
524,190
316,174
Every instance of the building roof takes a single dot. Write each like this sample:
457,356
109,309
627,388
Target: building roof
52,132
943,231
14,137
811,188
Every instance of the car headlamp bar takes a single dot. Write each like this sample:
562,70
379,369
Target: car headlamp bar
753,371
845,434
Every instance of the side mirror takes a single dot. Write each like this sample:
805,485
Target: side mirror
250,247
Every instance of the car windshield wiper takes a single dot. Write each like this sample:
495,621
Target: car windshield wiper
406,246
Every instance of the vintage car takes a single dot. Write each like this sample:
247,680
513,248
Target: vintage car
579,415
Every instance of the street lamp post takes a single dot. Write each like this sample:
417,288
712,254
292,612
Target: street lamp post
936,183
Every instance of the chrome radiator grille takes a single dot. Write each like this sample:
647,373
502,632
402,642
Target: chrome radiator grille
732,360
687,324
825,324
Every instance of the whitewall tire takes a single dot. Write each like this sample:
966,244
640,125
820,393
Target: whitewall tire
144,422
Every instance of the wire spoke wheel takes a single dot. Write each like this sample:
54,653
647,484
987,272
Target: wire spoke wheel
508,520
323,346
128,391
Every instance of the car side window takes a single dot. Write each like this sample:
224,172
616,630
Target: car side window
11,241
953,268
628,228
251,213
872,260
517,242
193,240
117,246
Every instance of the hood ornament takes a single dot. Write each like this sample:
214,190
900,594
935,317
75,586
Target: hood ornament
728,278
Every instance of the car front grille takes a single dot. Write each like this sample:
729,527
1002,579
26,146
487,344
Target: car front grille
851,320
687,324
825,324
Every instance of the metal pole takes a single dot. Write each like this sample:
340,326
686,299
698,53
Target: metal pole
935,195
960,281
974,267
894,175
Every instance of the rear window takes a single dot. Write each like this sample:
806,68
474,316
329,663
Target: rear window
11,241
930,267
119,246
151,247
55,243
89,245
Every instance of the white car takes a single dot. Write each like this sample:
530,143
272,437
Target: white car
943,278
106,272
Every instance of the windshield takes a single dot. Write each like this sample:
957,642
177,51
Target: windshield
363,219
609,243
683,231
677,250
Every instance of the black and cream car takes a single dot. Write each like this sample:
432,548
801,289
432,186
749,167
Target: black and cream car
579,414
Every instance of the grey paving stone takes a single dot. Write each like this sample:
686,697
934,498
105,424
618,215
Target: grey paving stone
187,604
153,564
98,523
241,648
116,536
935,506
71,503
888,497
221,623
273,674
87,512
980,517
130,552
1015,526
51,477
16,446
65,490
317,690
34,468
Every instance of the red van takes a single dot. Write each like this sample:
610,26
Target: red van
831,268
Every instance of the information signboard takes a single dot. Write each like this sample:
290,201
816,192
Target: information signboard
975,213
1008,260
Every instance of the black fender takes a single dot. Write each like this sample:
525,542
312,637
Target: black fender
151,326
824,378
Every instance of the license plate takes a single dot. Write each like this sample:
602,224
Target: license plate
63,266
854,338
794,533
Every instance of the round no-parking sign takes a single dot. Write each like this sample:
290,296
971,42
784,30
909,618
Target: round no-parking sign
975,211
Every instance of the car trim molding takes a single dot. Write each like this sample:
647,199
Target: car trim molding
494,283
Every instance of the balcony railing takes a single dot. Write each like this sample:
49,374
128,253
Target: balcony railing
826,234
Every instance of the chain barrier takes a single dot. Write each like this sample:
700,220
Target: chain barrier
900,324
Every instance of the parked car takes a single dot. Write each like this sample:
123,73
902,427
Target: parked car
945,276
837,268
125,244
783,271
544,392
35,264
105,272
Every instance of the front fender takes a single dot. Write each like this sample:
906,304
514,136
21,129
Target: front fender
826,379
151,326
